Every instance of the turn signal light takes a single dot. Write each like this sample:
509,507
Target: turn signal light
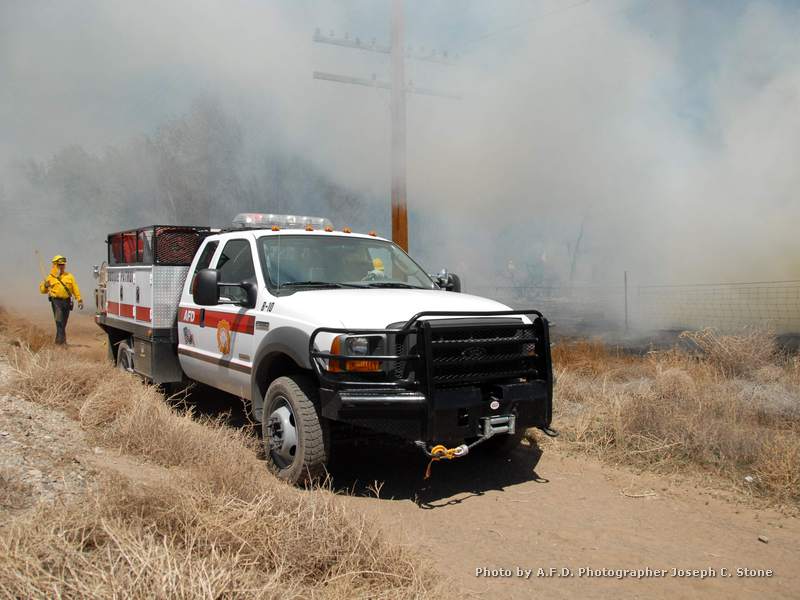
275,228
334,364
309,227
347,230
363,366
373,233
357,366
328,228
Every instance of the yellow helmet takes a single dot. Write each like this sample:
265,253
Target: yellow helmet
59,260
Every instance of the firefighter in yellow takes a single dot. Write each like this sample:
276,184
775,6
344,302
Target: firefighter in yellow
61,288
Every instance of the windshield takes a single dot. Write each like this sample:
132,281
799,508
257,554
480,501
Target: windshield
292,261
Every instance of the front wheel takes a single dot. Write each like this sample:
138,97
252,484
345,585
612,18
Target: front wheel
296,438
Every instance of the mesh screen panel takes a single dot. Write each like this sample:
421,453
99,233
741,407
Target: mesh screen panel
176,246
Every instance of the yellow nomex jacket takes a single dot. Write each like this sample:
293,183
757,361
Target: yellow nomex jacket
58,289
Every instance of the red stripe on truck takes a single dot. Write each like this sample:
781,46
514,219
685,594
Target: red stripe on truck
189,315
129,310
239,322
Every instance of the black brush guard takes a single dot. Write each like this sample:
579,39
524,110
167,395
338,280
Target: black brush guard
444,376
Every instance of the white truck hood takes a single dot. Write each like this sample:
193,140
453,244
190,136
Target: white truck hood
374,308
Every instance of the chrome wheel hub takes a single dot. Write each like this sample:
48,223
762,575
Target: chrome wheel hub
282,433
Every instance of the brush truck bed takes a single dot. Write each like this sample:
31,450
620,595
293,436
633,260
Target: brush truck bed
324,332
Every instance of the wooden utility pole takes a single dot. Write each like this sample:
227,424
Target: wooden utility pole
399,209
398,88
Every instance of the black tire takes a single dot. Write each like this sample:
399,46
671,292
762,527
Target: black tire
110,351
124,357
301,459
503,444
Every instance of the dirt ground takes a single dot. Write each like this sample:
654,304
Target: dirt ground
544,510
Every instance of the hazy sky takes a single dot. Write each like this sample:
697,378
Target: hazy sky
669,128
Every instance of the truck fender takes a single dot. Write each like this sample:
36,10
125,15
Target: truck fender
281,343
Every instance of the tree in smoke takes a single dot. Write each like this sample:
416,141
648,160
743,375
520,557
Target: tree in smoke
197,158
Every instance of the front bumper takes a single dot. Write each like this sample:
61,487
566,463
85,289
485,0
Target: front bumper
434,404
447,417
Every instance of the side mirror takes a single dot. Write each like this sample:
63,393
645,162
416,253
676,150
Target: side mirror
251,289
206,287
453,283
448,281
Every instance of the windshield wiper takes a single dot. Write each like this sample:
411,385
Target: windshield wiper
319,284
329,284
394,284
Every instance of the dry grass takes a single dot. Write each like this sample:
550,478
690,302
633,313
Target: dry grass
21,332
172,538
731,408
735,355
208,521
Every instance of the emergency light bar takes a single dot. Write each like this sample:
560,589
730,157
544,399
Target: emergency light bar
268,220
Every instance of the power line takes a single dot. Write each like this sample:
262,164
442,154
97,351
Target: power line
627,9
523,23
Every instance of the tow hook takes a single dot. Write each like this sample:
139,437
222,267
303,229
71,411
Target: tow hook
440,452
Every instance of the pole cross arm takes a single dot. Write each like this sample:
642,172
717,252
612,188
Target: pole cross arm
410,88
358,44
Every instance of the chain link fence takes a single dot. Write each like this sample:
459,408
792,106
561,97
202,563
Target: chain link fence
773,305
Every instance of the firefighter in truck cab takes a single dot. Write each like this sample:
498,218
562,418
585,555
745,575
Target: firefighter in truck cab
61,288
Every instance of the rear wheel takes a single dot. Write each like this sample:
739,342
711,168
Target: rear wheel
296,438
125,357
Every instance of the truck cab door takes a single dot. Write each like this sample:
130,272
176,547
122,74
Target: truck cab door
195,341
216,342
233,320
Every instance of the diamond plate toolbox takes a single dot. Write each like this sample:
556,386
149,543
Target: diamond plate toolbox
167,288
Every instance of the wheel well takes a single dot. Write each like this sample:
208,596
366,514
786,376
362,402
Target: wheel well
115,336
272,366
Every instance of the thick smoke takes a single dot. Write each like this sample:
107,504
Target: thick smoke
601,138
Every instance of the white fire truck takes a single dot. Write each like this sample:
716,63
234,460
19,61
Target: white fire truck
324,331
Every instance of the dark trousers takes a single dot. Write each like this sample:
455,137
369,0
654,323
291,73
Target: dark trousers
61,315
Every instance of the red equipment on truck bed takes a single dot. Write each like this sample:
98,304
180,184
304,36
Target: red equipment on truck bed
139,289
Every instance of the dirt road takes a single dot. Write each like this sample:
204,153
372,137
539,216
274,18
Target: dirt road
557,512
549,511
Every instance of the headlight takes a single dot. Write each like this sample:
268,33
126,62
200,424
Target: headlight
357,345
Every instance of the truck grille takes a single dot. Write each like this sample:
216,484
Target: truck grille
476,354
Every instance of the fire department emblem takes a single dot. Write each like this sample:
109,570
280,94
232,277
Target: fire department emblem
224,336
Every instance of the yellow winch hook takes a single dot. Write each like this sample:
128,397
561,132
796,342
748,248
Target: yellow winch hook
440,452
